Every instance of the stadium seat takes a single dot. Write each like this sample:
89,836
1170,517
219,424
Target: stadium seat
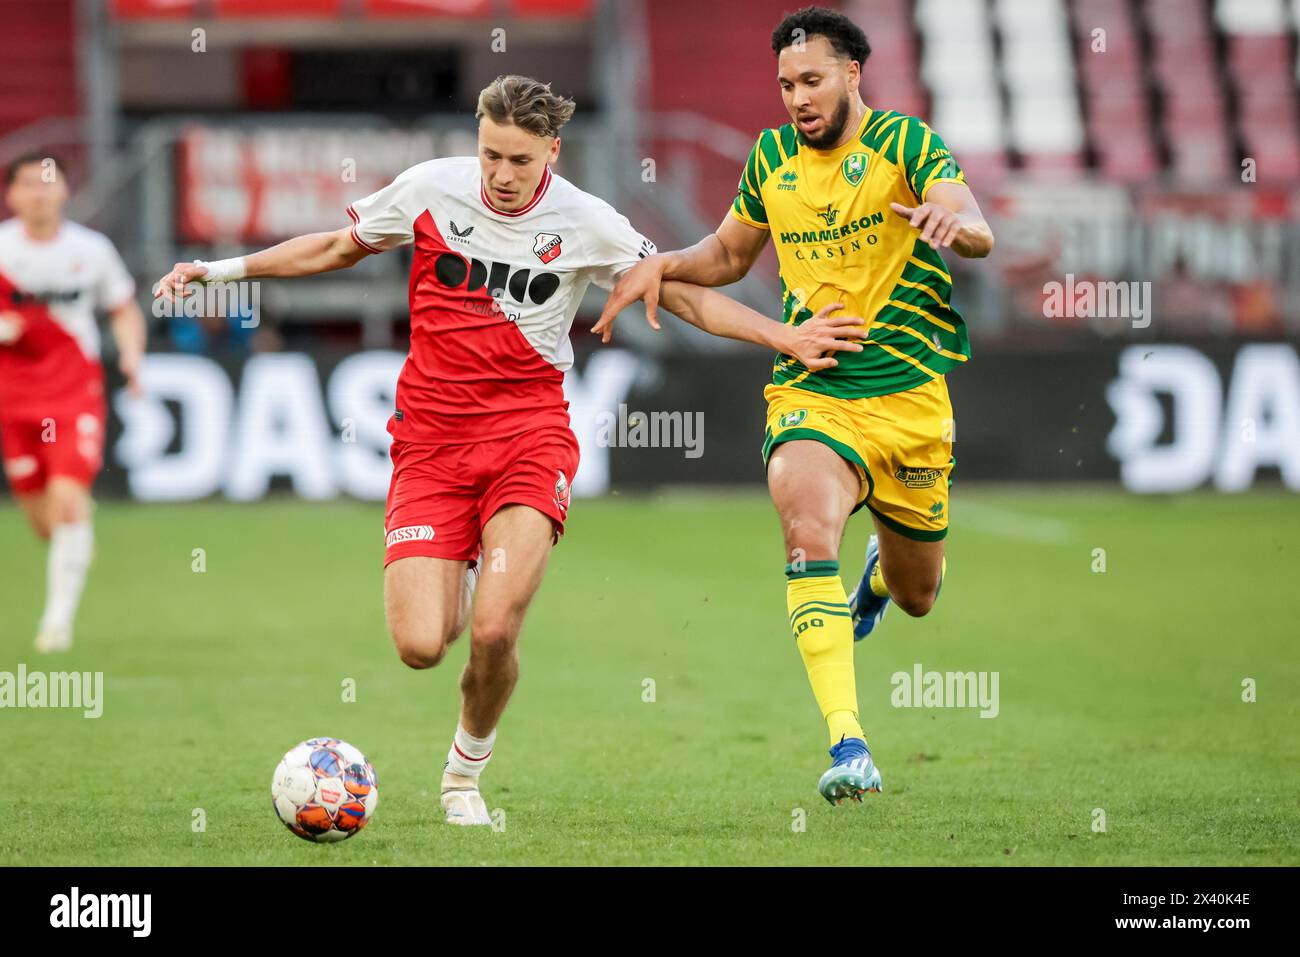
1251,16
959,66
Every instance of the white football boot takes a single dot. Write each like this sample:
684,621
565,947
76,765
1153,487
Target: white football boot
461,801
53,639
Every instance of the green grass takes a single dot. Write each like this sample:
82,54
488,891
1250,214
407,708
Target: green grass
1119,691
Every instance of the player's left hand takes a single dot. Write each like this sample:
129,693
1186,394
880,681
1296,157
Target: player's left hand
939,225
642,282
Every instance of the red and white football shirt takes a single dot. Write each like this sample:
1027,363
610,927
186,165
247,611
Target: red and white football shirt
492,295
51,382
49,291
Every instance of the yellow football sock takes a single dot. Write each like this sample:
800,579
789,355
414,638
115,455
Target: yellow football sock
819,617
877,581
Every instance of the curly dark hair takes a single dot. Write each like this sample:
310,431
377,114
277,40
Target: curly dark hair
844,36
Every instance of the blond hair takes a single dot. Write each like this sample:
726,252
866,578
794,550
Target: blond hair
527,103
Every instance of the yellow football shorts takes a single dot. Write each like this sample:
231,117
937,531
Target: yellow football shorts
900,445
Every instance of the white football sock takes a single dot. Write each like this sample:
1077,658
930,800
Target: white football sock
469,755
71,547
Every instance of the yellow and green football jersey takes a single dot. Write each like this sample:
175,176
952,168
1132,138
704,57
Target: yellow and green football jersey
837,240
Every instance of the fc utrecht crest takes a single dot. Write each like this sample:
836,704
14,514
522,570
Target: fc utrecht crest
547,247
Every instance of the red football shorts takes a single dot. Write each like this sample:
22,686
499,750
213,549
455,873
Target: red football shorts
441,496
66,441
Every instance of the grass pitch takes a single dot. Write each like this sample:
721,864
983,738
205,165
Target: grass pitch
1120,692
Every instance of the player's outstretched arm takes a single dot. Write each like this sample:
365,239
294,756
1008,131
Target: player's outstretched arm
811,342
719,259
301,256
950,219
130,333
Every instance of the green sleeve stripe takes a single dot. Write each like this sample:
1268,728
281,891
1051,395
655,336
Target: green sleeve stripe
753,173
868,137
890,146
781,155
909,143
748,204
914,151
752,208
767,143
789,140
884,132
747,183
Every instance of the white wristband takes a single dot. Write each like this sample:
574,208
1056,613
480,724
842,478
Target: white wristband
222,270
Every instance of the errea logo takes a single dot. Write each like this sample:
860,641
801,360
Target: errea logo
409,533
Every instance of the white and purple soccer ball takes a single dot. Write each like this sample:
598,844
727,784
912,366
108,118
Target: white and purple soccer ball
324,790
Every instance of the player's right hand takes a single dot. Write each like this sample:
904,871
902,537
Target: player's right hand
814,339
172,286
640,282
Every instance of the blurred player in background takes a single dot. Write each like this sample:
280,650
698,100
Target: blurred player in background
859,202
54,274
483,456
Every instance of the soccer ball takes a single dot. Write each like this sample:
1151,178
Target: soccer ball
324,790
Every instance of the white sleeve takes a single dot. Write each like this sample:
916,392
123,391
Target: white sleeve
115,285
383,220
614,247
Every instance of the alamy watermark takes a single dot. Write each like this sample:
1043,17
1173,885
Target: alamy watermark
210,300
130,911
53,689
651,430
1096,299
946,689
